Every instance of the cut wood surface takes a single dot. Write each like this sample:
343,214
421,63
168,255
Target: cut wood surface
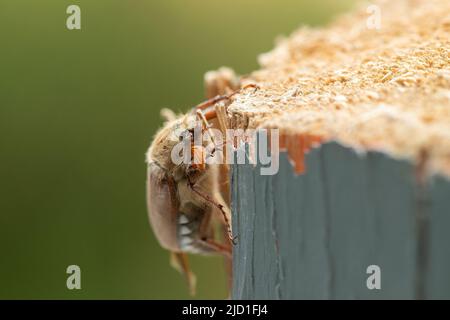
384,89
375,190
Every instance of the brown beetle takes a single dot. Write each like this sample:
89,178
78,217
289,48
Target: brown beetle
186,201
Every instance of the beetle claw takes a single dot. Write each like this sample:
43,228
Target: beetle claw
234,240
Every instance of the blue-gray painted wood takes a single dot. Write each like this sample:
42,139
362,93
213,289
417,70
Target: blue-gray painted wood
438,271
313,236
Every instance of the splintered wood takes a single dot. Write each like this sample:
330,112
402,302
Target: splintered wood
385,89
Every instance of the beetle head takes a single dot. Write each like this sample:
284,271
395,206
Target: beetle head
167,138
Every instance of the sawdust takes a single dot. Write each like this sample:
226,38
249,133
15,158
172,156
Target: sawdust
386,90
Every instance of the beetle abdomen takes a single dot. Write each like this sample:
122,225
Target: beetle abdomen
187,234
193,228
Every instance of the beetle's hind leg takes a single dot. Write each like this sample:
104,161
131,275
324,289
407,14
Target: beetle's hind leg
216,247
180,262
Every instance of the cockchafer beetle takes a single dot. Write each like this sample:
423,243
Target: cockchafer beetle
187,202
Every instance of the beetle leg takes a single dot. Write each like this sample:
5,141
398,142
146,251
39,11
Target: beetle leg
251,85
203,118
208,241
216,113
220,111
222,119
219,191
211,102
180,262
219,206
215,246
228,262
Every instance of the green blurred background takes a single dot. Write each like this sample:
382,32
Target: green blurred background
78,110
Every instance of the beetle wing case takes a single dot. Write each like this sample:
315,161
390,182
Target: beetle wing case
163,206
